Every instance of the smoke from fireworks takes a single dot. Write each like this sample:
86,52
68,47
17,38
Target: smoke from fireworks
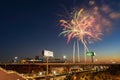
87,25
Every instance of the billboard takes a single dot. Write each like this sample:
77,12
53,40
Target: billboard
47,53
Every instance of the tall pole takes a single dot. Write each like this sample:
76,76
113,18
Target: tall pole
92,59
74,53
47,66
78,50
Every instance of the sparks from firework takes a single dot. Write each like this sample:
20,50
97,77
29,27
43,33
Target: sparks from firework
88,25
83,26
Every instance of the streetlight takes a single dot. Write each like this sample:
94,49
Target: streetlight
64,58
15,59
40,73
54,73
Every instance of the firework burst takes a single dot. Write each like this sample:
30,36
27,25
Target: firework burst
85,25
88,24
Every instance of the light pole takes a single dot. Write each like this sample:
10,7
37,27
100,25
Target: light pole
47,66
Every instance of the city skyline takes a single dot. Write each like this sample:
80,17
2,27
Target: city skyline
28,27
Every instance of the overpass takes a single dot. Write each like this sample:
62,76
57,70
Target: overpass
29,67
60,68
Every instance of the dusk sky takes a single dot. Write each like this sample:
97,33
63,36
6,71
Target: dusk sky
29,26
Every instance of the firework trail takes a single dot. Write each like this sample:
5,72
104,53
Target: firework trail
87,25
82,26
